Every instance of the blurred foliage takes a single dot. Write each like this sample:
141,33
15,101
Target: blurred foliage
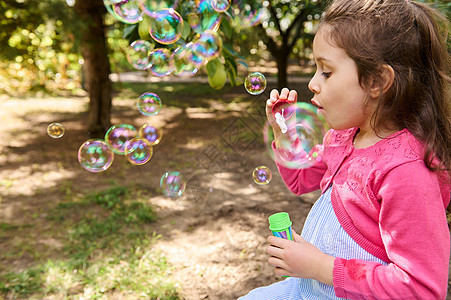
40,46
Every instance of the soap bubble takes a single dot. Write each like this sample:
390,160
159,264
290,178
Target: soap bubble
138,54
160,62
151,6
220,5
255,83
207,45
149,104
151,133
127,11
301,146
204,18
55,130
173,184
247,14
95,156
166,26
185,62
117,136
138,151
261,175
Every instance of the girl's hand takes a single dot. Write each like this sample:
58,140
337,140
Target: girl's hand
285,94
299,258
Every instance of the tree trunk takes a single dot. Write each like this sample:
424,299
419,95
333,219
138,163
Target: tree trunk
97,66
282,72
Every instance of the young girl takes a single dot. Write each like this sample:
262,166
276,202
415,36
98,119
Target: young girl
379,229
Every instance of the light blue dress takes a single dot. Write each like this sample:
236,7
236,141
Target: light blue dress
323,230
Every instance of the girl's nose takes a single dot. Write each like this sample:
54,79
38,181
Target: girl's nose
313,86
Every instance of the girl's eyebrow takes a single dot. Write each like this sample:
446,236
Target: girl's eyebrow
320,58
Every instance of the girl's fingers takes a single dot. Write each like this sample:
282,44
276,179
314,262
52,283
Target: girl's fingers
292,96
277,262
274,251
284,93
274,95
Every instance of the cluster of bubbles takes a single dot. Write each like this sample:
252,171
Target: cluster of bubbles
180,53
97,155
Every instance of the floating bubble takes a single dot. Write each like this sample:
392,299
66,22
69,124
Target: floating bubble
160,61
166,26
301,146
247,14
55,130
127,11
204,17
185,62
149,104
207,45
95,155
220,5
255,83
173,184
117,136
151,133
261,175
138,54
138,151
151,6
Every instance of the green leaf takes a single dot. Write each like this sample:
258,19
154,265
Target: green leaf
226,28
186,30
143,27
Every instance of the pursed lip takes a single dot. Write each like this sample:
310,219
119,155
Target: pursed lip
316,104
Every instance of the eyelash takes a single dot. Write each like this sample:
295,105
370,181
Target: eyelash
326,74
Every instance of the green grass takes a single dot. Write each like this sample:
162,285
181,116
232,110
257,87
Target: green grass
107,250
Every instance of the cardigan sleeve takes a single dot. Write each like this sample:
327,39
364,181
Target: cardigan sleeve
415,234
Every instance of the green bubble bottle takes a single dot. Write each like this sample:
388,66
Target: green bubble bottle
280,225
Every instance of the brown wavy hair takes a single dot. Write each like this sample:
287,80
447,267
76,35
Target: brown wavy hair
412,38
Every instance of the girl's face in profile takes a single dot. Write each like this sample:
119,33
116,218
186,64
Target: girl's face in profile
337,92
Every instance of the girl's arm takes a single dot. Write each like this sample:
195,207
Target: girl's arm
415,233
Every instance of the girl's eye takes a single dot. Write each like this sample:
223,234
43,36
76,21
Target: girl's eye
326,74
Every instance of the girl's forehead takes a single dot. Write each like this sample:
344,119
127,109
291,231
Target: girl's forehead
324,47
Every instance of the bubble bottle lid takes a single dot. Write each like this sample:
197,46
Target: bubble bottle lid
279,221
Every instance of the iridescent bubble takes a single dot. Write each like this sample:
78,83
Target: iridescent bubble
205,17
185,62
247,14
301,146
55,130
127,11
166,26
207,45
151,133
220,5
138,151
149,104
261,175
160,61
173,184
138,54
117,136
255,83
151,6
95,155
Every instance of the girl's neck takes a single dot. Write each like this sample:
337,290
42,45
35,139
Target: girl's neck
367,138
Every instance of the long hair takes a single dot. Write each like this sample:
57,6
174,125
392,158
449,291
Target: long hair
411,38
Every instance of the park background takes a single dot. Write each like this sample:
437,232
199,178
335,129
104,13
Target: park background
66,233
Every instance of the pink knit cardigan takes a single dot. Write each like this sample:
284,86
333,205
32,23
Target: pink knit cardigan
392,206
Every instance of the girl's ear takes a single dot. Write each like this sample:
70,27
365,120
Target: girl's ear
386,78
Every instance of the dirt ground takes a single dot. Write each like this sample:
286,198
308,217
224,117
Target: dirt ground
214,235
